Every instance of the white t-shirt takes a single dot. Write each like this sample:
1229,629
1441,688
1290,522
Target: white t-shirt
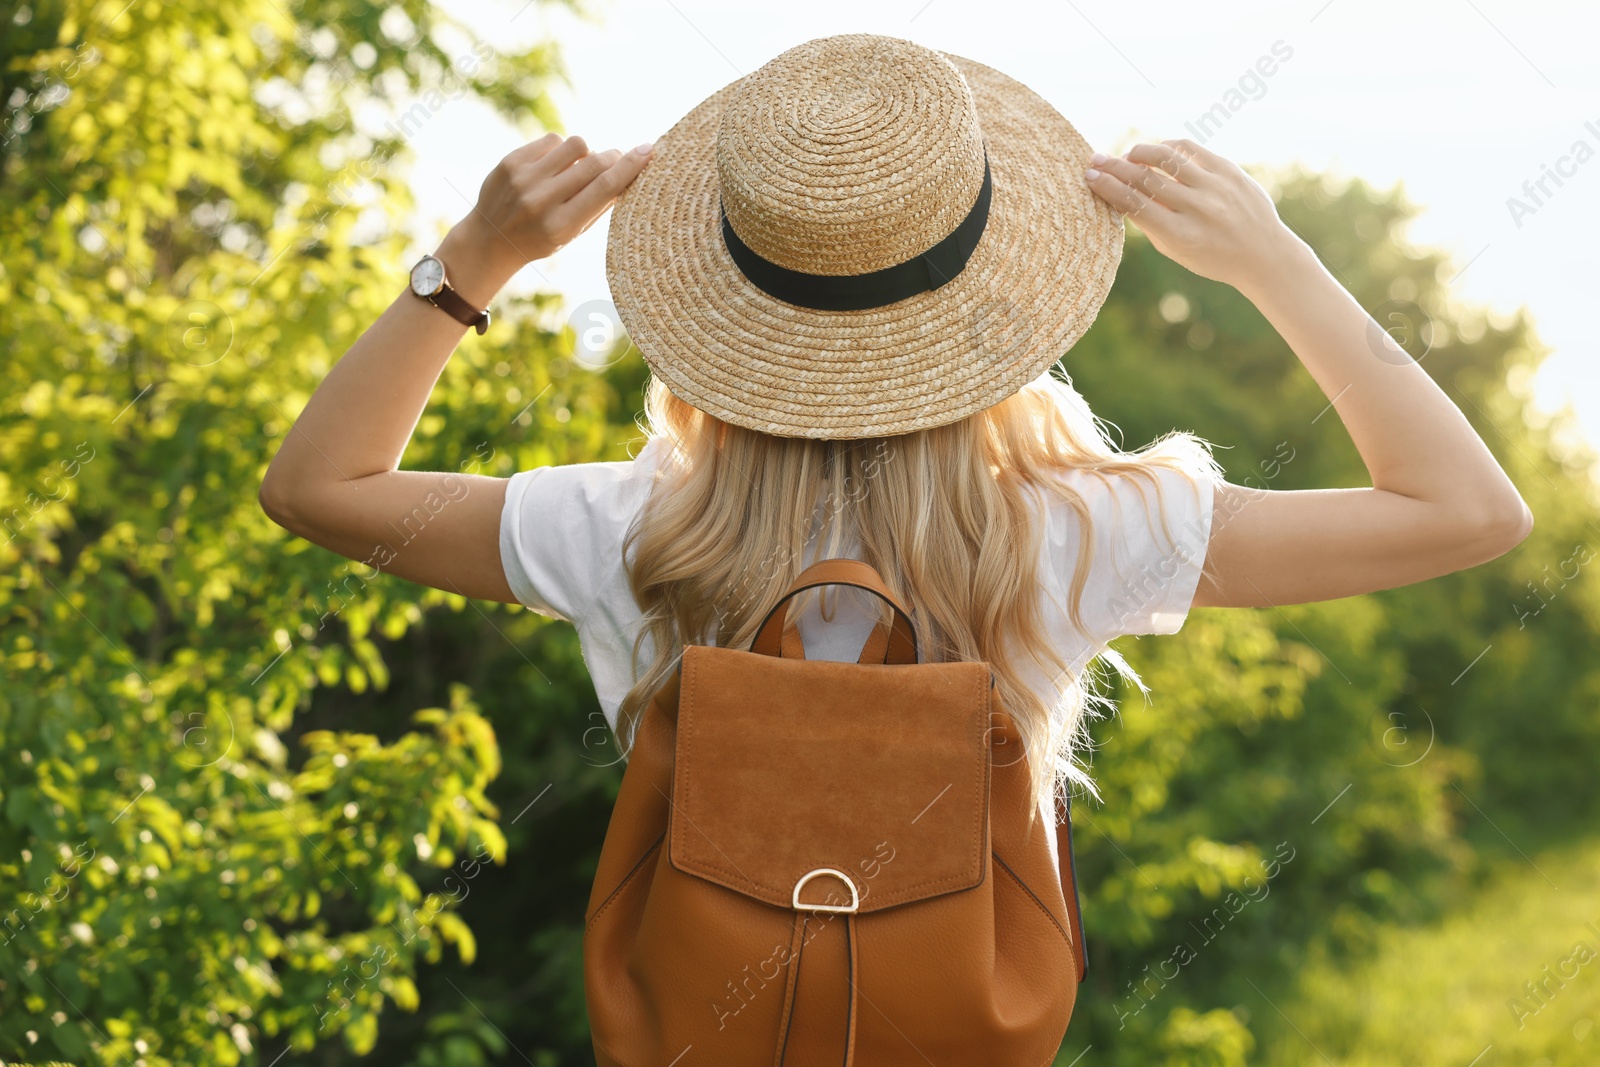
562,528
562,549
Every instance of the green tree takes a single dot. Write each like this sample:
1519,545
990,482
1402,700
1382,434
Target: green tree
217,841
1373,738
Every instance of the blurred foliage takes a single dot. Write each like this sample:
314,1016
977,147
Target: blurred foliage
225,829
1399,745
217,839
1512,968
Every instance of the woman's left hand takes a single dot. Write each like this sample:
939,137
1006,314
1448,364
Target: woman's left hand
1198,209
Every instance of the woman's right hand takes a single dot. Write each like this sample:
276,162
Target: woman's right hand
547,192
1198,209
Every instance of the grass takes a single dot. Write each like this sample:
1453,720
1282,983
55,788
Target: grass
1454,992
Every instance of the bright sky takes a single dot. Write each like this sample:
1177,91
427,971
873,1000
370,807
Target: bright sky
1461,100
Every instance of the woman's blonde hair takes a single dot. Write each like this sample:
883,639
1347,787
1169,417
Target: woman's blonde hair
941,513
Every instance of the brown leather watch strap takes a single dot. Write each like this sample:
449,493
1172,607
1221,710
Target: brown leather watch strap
451,302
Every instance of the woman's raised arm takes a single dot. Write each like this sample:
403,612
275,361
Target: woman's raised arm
1439,501
336,479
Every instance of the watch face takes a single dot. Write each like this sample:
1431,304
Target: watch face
427,277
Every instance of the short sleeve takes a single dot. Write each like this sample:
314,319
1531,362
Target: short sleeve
1144,573
562,528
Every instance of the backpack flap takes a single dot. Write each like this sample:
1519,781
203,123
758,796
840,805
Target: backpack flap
864,785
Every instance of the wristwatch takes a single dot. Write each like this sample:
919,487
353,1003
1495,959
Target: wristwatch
428,281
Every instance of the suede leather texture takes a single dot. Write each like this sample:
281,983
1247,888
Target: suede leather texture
785,766
750,771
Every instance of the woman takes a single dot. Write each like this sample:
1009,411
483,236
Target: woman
851,274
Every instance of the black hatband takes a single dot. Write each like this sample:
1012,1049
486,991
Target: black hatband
856,292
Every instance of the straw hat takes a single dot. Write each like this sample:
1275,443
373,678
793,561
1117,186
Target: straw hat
909,239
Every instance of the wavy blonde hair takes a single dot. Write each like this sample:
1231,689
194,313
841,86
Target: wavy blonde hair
943,514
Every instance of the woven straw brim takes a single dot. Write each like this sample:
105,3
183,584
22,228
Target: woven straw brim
1031,289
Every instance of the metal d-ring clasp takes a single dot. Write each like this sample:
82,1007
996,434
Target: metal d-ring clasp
855,897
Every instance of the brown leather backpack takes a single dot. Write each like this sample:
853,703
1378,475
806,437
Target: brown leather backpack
829,863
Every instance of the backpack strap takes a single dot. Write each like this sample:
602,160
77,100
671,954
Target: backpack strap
900,644
897,643
1069,880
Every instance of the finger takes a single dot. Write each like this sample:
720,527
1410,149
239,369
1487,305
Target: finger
606,187
1213,163
1110,189
1151,181
559,158
570,182
535,149
1173,160
1148,182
